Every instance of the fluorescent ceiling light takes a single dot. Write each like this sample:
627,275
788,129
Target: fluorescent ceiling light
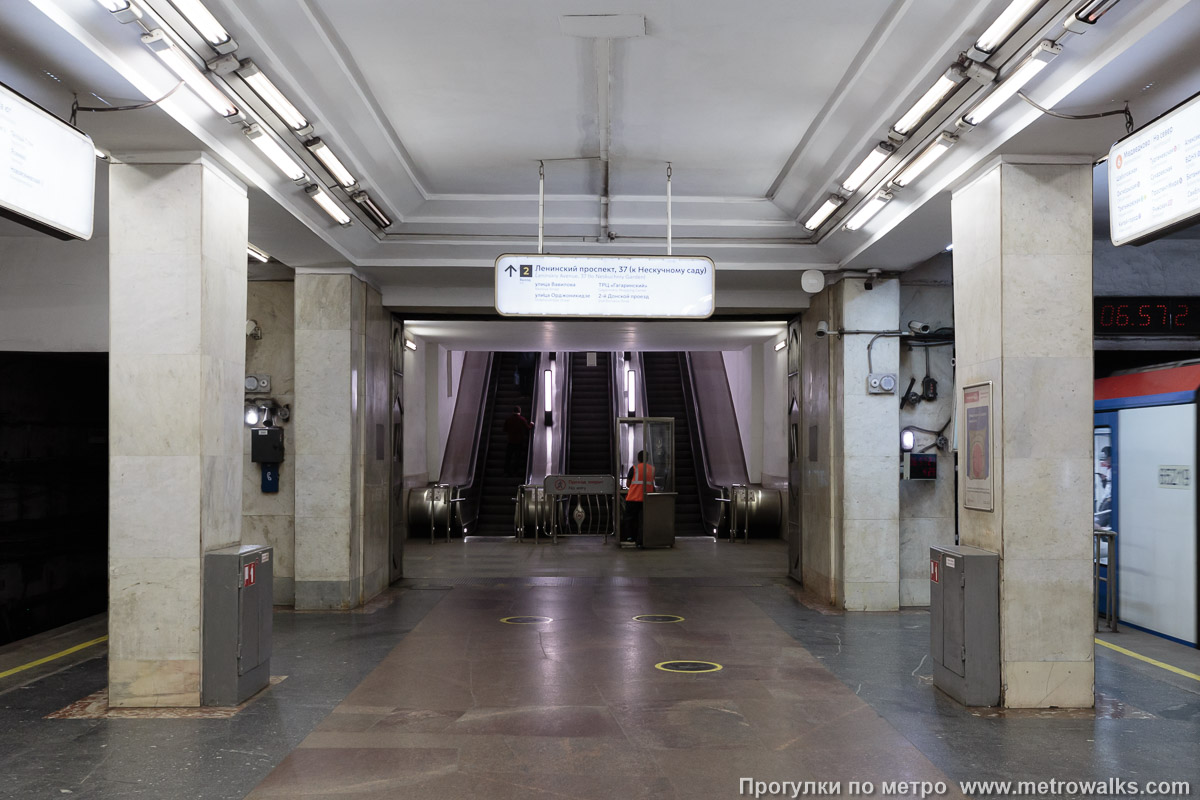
274,152
115,5
548,391
326,202
332,163
630,389
410,344
1092,12
867,168
1035,63
932,153
1009,20
933,97
203,21
950,247
270,94
182,66
373,211
832,204
869,210
782,343
257,253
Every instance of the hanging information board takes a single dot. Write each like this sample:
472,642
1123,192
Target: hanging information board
605,286
1154,177
47,170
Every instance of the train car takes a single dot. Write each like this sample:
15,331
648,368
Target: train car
1145,490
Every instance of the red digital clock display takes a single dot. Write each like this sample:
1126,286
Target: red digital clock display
1146,315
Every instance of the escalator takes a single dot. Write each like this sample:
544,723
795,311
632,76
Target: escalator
590,417
665,397
497,490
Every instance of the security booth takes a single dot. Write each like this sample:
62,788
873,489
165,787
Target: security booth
656,437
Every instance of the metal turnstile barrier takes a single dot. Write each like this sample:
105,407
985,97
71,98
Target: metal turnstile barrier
1104,546
532,513
433,506
751,507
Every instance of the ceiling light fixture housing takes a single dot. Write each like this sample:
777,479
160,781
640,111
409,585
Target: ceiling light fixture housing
189,73
123,10
868,211
868,166
257,253
331,162
936,149
1014,16
931,100
275,153
372,210
206,25
327,203
1089,14
831,204
269,93
1034,63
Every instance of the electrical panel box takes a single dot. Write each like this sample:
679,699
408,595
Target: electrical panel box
964,623
266,445
237,624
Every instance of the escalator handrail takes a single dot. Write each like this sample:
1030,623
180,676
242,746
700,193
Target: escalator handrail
614,412
536,395
710,507
470,492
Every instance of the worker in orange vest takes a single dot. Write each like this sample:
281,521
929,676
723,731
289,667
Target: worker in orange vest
641,483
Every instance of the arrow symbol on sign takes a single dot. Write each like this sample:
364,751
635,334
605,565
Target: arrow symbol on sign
510,269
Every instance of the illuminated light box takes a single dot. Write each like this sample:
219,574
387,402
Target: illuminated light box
658,287
1154,177
47,170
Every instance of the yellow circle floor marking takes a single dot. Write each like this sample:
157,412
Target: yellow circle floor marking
525,620
688,666
660,618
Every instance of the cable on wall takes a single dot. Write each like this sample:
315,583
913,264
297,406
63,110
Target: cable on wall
76,108
1125,111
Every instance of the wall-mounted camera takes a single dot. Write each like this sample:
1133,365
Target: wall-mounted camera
918,327
822,329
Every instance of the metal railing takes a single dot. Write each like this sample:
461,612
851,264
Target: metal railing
1104,542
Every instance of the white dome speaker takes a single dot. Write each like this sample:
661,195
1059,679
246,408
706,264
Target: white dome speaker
812,281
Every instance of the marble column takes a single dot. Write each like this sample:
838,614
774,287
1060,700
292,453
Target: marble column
342,440
177,283
1022,307
870,499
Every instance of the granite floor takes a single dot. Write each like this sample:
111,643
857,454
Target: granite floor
429,693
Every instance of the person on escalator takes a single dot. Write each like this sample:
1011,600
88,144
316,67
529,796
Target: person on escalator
516,432
641,483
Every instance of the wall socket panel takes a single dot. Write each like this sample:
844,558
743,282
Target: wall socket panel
881,383
258,383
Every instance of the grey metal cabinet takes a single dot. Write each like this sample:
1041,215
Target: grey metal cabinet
964,623
237,624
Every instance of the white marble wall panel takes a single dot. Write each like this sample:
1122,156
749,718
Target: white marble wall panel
342,358
322,550
177,282
869,435
323,418
1035,345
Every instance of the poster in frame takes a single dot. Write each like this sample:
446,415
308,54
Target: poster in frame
978,438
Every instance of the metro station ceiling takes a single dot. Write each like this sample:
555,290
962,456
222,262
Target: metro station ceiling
443,111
